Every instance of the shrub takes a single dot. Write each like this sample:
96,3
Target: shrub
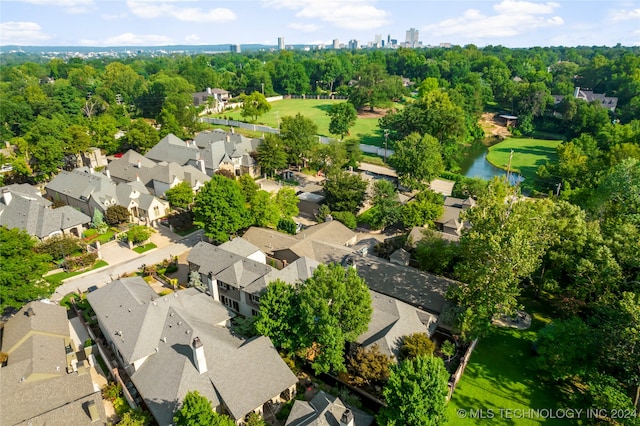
79,262
287,225
416,344
111,391
59,246
138,234
348,219
116,214
88,343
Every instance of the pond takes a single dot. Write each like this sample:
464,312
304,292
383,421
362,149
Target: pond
475,164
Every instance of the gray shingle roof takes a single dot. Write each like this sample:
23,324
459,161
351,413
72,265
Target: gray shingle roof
240,374
324,410
240,247
172,148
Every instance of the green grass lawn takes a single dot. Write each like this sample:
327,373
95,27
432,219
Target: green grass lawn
500,376
366,129
57,279
145,247
528,155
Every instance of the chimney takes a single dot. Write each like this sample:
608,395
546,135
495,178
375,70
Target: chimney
232,131
202,168
6,196
139,164
347,418
137,177
229,137
209,90
108,173
576,92
29,312
198,355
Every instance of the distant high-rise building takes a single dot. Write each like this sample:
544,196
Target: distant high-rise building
412,38
281,43
378,41
336,43
235,48
353,44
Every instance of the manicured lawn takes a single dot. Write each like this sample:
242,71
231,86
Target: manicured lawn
528,155
90,235
143,248
500,376
366,129
57,279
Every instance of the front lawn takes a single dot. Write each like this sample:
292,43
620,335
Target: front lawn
365,129
56,279
500,376
528,155
146,247
91,235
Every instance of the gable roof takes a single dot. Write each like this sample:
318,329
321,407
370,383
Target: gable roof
82,184
391,320
240,247
324,410
241,374
172,148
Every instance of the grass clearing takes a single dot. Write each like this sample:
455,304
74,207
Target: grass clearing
528,155
500,375
365,129
146,247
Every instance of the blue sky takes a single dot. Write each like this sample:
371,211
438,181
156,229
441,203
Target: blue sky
511,23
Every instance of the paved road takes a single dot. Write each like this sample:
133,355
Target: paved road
100,277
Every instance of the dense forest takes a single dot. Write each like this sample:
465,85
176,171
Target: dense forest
578,248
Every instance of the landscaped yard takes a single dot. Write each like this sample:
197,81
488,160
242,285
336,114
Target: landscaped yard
57,279
500,376
528,155
366,129
145,247
91,235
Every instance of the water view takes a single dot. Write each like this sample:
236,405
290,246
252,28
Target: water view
475,164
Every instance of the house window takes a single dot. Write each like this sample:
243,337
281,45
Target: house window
255,298
224,286
230,303
254,312
156,211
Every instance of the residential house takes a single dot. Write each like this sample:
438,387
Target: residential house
210,151
157,177
182,342
449,224
325,409
22,206
236,274
391,320
89,191
213,99
43,380
608,102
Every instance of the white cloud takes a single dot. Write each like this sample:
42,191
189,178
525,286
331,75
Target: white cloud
113,17
21,33
130,39
354,14
512,18
305,28
192,38
624,15
161,9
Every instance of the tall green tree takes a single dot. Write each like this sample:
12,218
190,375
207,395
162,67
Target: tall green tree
264,211
418,160
248,186
220,209
423,209
271,155
141,136
180,196
416,393
22,269
255,105
345,192
298,133
277,314
386,206
343,116
335,307
287,202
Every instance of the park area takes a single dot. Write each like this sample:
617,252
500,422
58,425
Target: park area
528,155
500,375
366,128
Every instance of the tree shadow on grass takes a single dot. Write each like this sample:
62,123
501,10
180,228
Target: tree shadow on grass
323,107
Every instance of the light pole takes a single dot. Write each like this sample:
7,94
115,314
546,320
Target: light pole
262,84
386,137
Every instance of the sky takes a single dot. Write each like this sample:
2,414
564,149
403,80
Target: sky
510,23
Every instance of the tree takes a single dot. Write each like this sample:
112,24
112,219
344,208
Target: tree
220,209
288,225
335,307
298,133
345,192
117,214
416,393
343,116
180,196
418,160
22,269
415,345
275,319
374,87
140,136
138,234
435,254
386,205
423,209
254,105
254,419
264,211
368,366
248,186
271,155
287,202
59,246
196,410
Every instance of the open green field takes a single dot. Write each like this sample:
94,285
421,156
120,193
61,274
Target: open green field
528,155
366,129
500,376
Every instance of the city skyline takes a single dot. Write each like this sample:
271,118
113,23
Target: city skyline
509,23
